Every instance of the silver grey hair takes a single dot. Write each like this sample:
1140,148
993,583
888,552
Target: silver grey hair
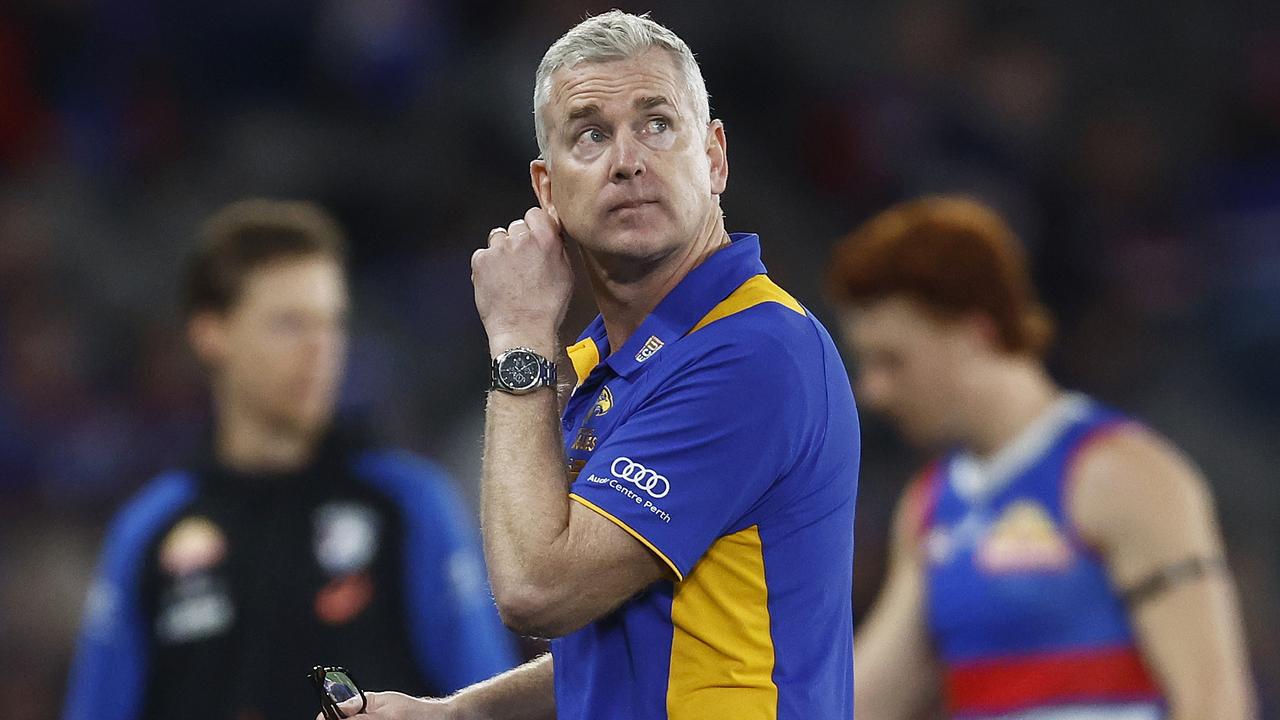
615,35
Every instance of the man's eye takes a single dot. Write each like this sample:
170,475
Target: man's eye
658,125
592,135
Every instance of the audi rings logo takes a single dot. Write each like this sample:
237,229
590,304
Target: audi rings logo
642,477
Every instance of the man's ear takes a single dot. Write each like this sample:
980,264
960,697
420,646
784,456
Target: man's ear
541,181
718,155
207,335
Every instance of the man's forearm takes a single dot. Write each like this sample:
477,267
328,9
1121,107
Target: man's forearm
525,693
524,505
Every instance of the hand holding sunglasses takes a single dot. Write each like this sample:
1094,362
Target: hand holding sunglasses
340,697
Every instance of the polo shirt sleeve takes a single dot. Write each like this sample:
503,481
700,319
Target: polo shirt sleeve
697,455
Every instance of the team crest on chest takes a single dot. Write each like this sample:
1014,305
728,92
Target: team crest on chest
194,601
1024,539
586,439
346,536
194,544
604,403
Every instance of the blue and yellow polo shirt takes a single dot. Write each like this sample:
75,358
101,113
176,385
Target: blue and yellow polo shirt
723,436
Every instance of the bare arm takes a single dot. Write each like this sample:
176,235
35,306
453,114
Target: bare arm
525,693
554,565
1148,510
894,673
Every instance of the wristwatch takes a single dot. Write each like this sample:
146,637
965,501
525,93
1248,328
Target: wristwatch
520,371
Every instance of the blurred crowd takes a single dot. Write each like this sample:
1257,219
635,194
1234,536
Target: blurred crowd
1134,146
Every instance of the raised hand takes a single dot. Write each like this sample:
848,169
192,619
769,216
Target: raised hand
523,282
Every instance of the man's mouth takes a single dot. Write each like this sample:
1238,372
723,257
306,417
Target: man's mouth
631,205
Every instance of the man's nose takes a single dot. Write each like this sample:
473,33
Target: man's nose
628,157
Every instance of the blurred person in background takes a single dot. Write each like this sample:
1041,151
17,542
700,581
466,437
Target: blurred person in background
294,539
1058,560
685,531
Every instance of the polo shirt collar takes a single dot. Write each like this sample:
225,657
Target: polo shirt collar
687,303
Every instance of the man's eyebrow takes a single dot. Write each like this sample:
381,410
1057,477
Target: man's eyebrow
584,111
652,101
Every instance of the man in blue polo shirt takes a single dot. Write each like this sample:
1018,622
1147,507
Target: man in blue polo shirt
687,536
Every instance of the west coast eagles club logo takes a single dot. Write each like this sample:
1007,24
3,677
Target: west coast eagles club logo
603,405
586,439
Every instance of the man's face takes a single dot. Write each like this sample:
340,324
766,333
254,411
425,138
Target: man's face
909,367
631,171
278,353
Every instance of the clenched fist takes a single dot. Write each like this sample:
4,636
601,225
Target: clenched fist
523,283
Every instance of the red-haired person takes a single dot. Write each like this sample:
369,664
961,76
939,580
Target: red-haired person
1058,560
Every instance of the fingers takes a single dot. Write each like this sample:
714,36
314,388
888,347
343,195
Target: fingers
532,245
537,223
398,706
542,224
503,237
351,706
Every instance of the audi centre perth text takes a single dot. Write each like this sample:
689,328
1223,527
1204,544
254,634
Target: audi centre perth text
649,481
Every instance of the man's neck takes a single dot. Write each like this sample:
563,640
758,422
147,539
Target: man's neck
248,444
625,300
1004,400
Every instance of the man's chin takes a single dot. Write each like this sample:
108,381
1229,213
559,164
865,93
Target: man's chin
304,423
641,244
619,238
921,438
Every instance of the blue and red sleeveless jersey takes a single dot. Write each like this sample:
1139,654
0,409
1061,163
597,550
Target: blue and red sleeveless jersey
1020,609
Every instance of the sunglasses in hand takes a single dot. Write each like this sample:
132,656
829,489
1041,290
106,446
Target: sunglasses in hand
340,697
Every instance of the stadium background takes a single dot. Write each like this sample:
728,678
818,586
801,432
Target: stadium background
1136,147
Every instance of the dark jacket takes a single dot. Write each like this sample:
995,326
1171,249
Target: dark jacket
217,591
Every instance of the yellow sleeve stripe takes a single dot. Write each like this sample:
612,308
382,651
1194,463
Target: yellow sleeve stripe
758,289
585,356
633,533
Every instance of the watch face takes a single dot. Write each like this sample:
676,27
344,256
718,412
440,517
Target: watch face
519,370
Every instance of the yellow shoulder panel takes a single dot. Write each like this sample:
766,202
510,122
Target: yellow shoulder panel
759,289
